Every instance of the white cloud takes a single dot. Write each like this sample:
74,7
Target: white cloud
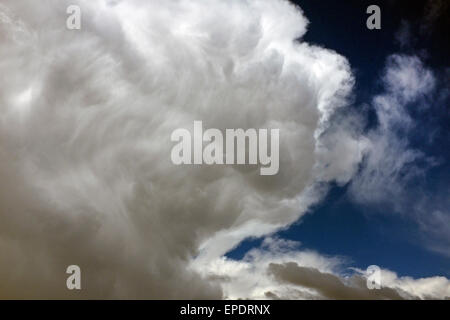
86,122
249,278
390,161
282,270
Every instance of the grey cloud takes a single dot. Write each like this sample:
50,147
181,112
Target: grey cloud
86,118
329,286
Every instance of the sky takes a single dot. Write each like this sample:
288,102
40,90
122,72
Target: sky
86,177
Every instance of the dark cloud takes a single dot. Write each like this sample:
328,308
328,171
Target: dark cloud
329,286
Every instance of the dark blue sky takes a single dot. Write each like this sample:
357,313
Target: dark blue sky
368,234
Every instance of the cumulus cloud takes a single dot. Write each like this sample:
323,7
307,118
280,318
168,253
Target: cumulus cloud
281,269
86,118
327,285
